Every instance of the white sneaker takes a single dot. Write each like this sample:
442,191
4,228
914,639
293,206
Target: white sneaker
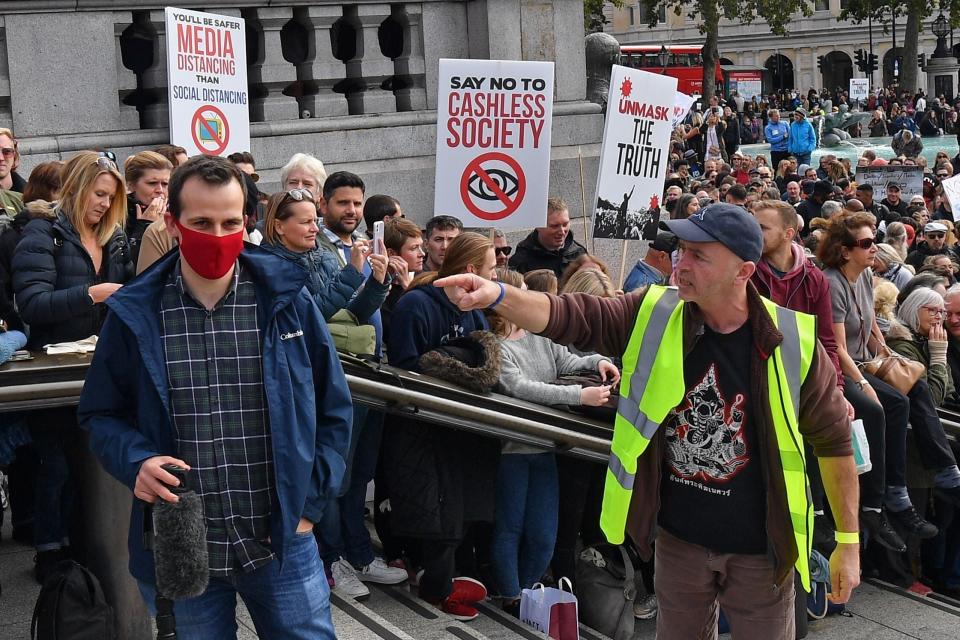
378,571
345,581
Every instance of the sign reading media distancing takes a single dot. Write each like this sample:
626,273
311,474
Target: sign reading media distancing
207,82
493,142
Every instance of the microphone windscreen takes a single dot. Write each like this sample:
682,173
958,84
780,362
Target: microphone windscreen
180,547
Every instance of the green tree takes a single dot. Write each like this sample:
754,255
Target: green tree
776,13
593,19
916,11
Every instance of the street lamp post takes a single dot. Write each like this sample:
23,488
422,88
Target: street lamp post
664,57
941,29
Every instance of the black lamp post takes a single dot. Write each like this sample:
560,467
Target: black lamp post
941,29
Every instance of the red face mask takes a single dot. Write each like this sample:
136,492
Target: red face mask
209,255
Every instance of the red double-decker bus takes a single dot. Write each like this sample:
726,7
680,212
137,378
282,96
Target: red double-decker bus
685,63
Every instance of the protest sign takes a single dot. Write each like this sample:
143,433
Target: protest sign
859,88
909,178
681,107
207,82
634,154
951,188
493,142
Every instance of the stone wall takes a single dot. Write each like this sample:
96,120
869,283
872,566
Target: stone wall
353,83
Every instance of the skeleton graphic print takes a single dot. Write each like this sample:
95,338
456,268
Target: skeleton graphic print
706,440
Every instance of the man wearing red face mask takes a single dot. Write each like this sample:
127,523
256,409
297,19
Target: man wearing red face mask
218,360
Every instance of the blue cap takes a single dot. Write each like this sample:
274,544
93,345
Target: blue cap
730,225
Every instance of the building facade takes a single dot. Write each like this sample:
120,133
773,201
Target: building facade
789,62
354,83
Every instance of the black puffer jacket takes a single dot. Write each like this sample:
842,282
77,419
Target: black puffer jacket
531,255
51,275
9,240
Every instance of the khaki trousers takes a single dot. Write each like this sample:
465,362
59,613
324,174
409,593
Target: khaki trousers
691,581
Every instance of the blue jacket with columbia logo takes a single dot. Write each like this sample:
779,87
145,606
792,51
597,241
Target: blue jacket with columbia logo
125,400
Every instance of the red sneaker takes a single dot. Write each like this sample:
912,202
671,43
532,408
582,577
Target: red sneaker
468,590
458,610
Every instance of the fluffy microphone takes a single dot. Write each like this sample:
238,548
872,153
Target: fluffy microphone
180,542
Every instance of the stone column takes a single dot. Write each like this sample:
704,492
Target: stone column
321,71
570,72
450,34
271,73
374,68
6,118
410,65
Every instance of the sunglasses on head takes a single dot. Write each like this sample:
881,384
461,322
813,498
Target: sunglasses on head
503,251
299,195
106,161
863,243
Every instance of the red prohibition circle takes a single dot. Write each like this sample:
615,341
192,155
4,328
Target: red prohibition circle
198,121
475,167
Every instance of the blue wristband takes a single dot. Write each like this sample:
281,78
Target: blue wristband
503,292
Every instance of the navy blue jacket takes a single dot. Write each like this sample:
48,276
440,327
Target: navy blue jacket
424,319
333,287
52,272
125,402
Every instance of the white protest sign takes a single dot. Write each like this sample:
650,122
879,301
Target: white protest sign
207,82
859,88
909,177
634,154
681,107
493,142
951,187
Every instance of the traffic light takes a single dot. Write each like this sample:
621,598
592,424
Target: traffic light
872,62
861,59
922,61
820,63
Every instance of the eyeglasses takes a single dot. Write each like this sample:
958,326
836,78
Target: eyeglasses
863,243
106,164
8,152
937,235
503,251
299,195
939,175
934,311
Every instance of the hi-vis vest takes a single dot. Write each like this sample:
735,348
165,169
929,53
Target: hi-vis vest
652,385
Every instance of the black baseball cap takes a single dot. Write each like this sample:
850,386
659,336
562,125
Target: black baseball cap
665,241
730,225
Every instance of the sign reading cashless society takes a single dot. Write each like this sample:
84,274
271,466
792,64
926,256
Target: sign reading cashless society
207,82
493,142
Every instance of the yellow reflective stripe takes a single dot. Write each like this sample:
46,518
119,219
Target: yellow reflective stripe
656,326
632,353
790,354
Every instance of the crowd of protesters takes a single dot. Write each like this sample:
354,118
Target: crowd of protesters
460,516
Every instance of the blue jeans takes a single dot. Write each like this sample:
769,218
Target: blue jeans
341,531
525,527
290,605
802,158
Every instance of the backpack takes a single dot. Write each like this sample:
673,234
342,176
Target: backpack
71,606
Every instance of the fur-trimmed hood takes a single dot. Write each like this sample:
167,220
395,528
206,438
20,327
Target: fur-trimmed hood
38,209
472,361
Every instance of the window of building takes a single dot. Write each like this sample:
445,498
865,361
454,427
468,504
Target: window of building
633,18
645,13
821,5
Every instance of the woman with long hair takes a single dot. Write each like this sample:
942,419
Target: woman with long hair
525,527
64,268
439,480
148,175
848,252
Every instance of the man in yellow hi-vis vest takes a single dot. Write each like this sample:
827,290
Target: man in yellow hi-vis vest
719,386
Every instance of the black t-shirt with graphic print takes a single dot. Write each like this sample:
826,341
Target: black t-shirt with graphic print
712,491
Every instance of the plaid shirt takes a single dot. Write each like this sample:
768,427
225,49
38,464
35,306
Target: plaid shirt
214,370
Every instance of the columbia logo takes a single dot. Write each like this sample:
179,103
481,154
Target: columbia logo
292,334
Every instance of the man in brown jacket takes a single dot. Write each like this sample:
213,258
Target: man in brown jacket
710,484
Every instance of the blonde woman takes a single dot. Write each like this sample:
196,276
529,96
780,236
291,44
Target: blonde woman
64,268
